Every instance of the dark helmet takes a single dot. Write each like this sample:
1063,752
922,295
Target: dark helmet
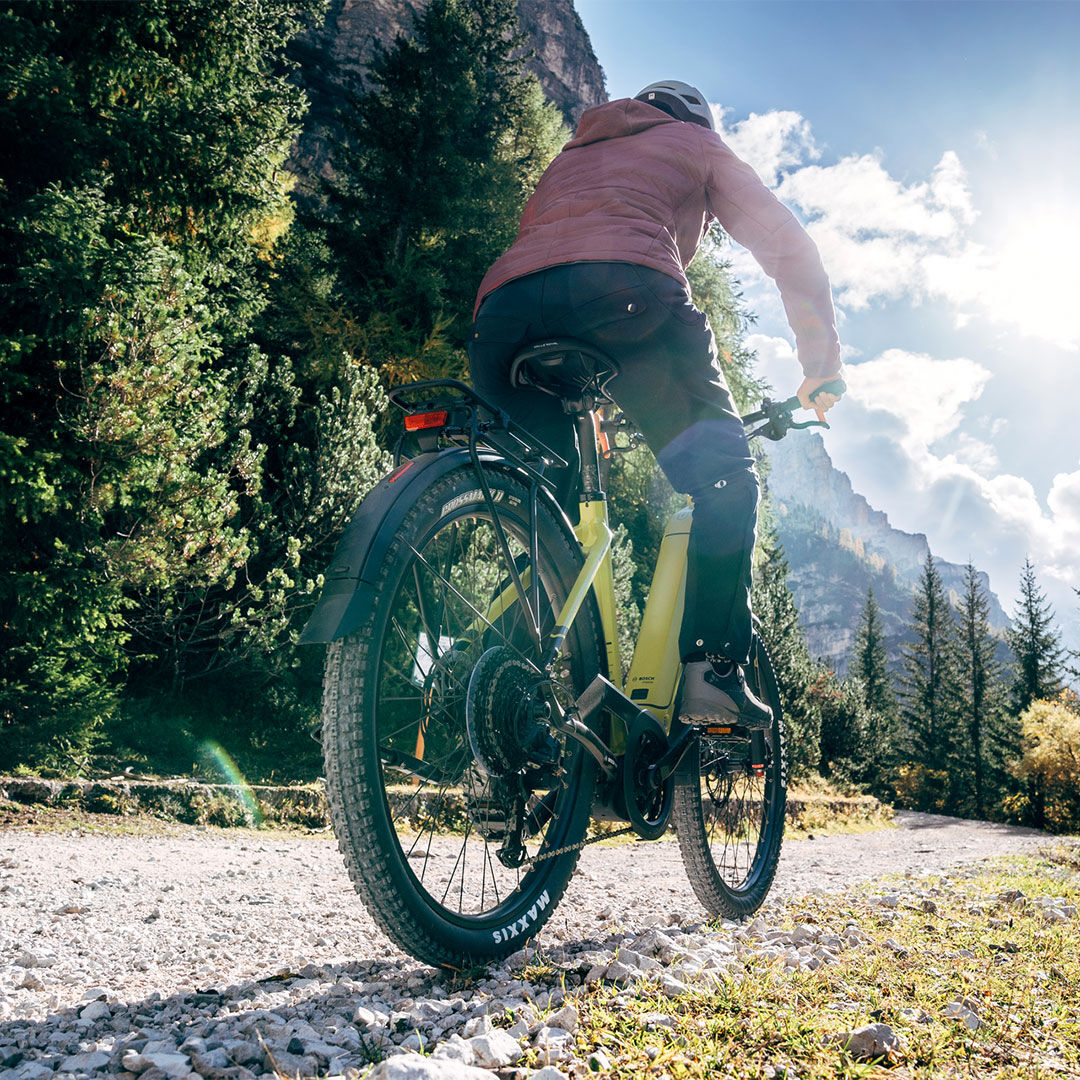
679,99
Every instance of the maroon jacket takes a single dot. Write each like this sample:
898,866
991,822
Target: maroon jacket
635,185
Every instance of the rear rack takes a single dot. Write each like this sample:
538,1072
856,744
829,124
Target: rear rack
470,420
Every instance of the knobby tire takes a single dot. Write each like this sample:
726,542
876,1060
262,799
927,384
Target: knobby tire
729,820
418,821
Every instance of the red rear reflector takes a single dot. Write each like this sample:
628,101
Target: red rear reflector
421,420
404,467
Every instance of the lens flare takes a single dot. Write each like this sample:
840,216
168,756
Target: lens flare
217,758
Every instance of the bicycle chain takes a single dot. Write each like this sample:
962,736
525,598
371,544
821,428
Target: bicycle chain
576,847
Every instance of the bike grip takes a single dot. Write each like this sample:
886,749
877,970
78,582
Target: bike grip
837,387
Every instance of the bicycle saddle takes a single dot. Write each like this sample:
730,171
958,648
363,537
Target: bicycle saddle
565,368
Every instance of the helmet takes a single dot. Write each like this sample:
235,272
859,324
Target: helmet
679,99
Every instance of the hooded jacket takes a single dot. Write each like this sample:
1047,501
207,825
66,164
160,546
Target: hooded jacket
636,185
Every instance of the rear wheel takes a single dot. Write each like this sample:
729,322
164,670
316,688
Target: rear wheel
448,793
730,796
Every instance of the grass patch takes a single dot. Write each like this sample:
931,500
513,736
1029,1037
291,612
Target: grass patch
971,971
819,809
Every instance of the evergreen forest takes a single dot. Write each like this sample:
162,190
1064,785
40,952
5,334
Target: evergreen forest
195,350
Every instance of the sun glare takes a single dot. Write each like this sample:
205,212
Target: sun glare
1038,275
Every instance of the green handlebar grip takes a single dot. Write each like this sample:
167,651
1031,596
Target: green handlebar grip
837,387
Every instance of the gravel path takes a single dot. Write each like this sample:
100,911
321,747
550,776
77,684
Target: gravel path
143,923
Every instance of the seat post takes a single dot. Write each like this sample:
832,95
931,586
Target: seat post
590,461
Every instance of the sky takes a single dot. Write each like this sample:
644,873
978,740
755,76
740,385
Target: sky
932,150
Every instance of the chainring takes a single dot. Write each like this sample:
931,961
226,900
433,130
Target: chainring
648,802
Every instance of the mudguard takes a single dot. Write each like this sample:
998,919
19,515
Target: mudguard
349,590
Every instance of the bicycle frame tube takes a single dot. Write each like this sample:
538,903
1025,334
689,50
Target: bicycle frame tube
594,534
655,670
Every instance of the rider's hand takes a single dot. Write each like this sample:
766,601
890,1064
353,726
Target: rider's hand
823,402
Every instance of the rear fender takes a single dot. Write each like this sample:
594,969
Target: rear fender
349,590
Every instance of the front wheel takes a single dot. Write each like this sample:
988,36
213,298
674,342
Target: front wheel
457,811
730,797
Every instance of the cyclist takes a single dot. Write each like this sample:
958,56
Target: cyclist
601,256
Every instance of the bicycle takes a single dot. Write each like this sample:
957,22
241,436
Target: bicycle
474,716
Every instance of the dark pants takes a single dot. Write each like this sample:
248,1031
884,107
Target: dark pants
671,387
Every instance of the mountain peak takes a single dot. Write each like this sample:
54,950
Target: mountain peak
838,545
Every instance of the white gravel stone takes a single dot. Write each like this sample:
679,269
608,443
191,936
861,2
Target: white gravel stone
566,1018
236,957
548,1072
478,1025
871,1041
415,1067
495,1050
961,1010
455,1049
96,1010
89,1061
598,1061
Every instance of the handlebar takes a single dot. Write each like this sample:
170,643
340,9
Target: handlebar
775,419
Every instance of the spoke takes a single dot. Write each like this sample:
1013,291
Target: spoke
431,838
455,600
459,861
494,880
461,887
421,606
450,770
480,615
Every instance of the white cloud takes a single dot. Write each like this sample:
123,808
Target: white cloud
776,364
948,186
977,453
884,239
875,232
927,395
858,197
771,142
899,436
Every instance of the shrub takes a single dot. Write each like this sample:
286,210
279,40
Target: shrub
1050,732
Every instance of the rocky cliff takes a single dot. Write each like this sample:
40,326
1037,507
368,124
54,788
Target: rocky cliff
343,44
838,545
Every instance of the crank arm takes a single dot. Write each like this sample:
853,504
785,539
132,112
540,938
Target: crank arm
673,756
601,694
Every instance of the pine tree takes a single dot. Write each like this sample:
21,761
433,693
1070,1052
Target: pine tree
930,693
716,293
139,174
847,750
785,642
442,144
870,666
981,681
1036,645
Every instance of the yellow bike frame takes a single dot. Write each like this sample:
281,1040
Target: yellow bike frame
656,668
